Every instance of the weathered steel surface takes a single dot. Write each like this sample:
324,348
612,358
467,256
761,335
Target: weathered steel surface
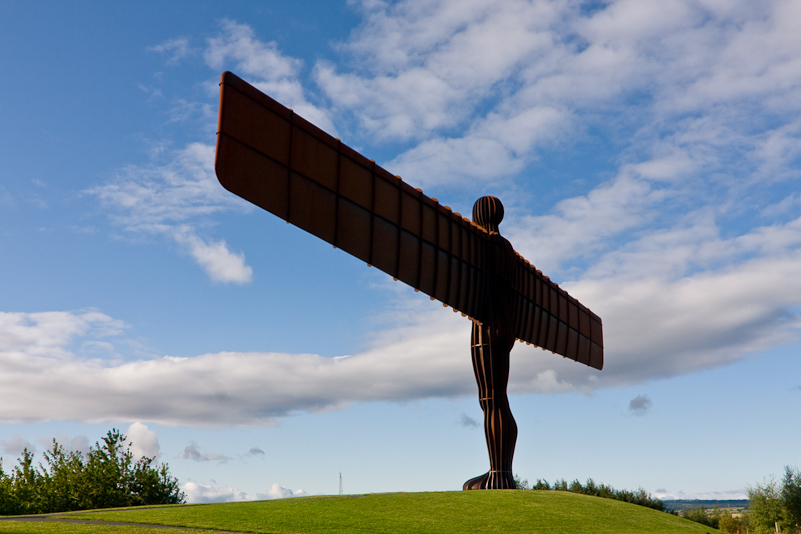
491,342
277,160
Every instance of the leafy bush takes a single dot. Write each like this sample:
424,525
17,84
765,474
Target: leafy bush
107,477
765,506
733,524
700,515
791,496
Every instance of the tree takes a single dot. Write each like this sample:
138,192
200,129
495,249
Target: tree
640,497
155,486
541,485
731,524
114,479
63,488
26,489
521,483
700,515
791,495
107,477
6,492
109,472
727,522
766,507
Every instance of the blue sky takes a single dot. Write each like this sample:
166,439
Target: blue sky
648,155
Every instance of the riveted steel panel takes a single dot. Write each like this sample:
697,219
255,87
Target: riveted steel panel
428,268
312,207
429,224
354,230
387,200
385,246
411,219
251,175
441,289
409,266
358,185
561,338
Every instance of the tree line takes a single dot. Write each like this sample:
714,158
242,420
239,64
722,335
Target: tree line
639,497
774,508
106,477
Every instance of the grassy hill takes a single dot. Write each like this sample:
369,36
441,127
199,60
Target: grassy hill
431,513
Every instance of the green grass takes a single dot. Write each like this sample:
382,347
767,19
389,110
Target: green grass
431,513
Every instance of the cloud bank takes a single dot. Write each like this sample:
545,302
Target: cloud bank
197,493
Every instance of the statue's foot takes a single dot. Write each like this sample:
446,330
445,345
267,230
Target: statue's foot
476,483
491,480
499,480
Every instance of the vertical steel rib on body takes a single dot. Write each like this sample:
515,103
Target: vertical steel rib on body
491,342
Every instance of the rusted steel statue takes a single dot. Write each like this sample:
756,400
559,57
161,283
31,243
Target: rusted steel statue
491,342
275,159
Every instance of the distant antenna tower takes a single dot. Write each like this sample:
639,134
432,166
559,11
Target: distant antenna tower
340,482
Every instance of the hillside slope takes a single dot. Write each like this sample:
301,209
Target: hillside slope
432,513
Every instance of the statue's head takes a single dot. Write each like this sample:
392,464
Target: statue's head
488,213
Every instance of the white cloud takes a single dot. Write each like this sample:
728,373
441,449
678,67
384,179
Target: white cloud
207,493
486,87
183,109
583,226
50,334
263,65
220,264
467,421
655,327
496,147
231,388
737,494
144,442
697,321
191,452
78,443
699,101
672,303
173,200
253,57
640,405
177,49
183,188
428,65
16,444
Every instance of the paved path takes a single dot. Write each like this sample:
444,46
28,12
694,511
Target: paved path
59,518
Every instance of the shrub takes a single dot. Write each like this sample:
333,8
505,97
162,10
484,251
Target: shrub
791,495
700,515
108,477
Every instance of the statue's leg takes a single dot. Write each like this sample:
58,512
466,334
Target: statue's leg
490,351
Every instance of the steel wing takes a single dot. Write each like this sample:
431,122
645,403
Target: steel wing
277,160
